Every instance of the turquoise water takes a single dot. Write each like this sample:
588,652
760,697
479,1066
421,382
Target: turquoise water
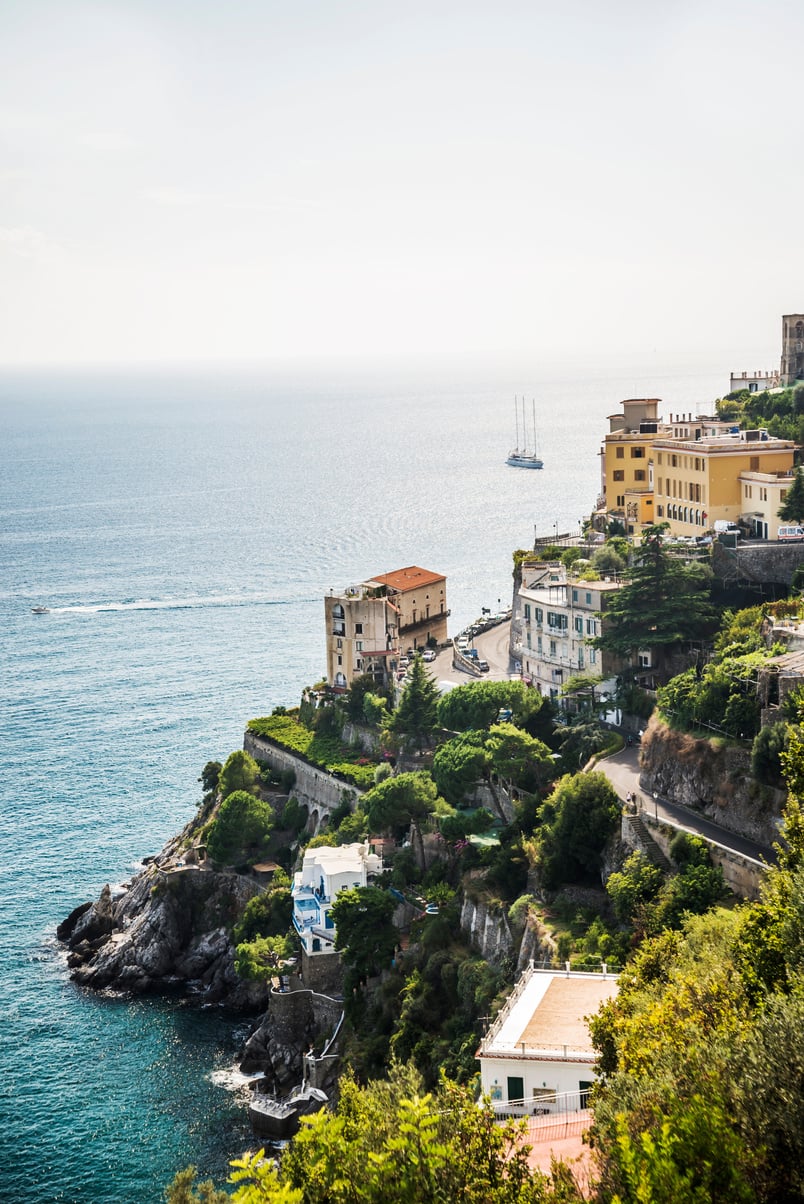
183,529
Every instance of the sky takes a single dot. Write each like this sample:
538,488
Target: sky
259,180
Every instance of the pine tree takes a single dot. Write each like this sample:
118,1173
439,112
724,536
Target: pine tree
792,508
662,605
415,717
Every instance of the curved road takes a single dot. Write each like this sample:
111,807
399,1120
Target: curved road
622,770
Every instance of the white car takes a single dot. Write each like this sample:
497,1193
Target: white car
428,655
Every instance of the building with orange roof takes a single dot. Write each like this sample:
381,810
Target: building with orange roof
371,624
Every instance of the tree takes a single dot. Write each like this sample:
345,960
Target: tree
792,507
241,829
240,772
577,820
477,705
636,884
415,717
210,775
458,765
663,604
401,801
517,757
365,934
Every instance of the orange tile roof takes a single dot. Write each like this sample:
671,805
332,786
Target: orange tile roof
409,578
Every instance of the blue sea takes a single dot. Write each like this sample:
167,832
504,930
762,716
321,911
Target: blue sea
183,527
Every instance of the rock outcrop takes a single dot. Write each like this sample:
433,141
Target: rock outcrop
711,777
170,929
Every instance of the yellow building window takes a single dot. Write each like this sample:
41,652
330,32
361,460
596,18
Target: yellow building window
620,453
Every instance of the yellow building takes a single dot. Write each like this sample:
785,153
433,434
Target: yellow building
762,495
685,471
698,482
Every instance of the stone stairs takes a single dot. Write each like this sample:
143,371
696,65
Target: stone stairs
636,834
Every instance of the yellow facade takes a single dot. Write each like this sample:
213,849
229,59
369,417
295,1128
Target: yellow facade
685,472
699,483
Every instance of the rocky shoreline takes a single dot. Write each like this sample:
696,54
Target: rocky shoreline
169,930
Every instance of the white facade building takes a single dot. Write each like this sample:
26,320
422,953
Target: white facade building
325,872
538,1057
555,618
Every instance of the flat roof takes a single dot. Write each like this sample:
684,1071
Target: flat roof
410,578
548,1017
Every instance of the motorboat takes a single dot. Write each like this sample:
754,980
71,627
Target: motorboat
40,610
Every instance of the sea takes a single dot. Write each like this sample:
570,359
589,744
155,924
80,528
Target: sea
183,525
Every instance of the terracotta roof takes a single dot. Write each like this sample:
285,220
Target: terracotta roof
409,578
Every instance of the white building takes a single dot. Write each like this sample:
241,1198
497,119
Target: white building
554,620
538,1054
325,872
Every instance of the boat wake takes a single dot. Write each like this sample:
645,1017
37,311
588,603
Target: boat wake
193,603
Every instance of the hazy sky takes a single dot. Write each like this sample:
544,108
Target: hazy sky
182,179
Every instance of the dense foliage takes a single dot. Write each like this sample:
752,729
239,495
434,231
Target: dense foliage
241,830
780,412
318,747
665,603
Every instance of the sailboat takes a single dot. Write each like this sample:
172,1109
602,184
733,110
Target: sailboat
521,457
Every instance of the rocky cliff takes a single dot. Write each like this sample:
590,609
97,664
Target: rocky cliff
711,777
170,929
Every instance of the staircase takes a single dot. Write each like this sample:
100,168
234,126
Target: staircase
636,834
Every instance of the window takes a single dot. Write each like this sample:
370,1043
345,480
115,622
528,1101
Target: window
639,475
552,647
339,643
620,453
659,485
358,628
590,626
618,474
527,612
539,614
358,645
575,595
588,598
538,643
556,620
592,656
580,657
621,499
674,461
579,624
637,453
660,511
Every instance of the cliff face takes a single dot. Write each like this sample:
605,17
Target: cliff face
712,778
169,930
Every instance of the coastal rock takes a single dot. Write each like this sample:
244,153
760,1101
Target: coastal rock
712,777
170,929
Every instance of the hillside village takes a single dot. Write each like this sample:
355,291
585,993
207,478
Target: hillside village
455,850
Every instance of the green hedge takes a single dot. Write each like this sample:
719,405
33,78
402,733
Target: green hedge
327,752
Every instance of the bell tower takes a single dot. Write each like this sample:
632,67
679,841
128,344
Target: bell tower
792,368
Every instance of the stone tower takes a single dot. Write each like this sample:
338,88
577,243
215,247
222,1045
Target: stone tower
792,368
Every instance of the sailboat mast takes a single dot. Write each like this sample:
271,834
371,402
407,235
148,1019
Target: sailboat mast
516,419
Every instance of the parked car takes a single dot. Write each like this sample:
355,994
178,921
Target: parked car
428,655
483,666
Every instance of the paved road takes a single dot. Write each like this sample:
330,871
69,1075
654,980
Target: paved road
622,770
492,646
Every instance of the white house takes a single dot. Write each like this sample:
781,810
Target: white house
538,1055
554,622
325,872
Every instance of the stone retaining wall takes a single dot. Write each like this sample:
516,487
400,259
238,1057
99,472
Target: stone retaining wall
320,792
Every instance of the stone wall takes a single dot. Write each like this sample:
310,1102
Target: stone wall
742,875
294,1021
759,562
314,788
487,929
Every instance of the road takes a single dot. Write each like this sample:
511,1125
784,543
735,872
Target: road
492,646
622,770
